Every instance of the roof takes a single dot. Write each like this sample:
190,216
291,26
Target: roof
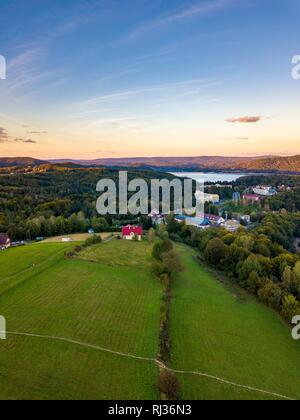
232,222
4,239
212,217
196,221
128,230
252,196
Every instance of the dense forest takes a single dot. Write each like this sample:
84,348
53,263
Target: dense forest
56,202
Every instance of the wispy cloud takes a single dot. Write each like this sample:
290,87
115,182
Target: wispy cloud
20,140
245,120
202,8
37,132
3,135
167,87
117,121
238,138
5,138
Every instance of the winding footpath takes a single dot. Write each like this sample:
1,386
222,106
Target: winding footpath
157,362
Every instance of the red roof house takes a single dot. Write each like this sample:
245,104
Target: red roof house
251,197
130,232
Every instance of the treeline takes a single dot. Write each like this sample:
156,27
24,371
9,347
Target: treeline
258,260
289,200
274,180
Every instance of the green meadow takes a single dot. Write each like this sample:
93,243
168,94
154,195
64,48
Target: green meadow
107,297
115,307
226,333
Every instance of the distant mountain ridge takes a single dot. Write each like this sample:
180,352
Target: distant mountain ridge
20,161
259,163
202,163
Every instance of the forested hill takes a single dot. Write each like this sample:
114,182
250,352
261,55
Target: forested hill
285,164
221,163
288,163
57,200
20,161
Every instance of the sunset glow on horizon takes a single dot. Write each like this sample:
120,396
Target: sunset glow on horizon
136,78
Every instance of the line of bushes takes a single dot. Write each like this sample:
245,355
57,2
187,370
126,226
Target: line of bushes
166,266
93,240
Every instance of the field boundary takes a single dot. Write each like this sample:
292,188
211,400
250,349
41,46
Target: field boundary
157,362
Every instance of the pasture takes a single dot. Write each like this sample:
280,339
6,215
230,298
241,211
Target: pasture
107,298
111,307
229,335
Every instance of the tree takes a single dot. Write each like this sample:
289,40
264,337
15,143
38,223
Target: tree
215,251
168,384
287,279
271,295
296,279
99,224
151,235
172,263
254,282
161,247
290,308
172,225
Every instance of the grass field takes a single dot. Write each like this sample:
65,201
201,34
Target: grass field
116,307
215,331
108,297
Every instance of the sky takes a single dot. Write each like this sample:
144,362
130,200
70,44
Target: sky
122,78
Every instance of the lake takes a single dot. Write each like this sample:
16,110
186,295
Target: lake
210,176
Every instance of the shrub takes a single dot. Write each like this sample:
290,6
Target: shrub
160,247
172,263
215,251
169,385
290,308
151,235
271,295
70,254
95,239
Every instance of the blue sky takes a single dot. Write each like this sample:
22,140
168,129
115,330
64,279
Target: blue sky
99,78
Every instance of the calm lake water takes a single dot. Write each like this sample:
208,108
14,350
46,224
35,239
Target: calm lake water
210,176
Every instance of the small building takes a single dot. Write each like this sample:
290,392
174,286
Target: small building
198,222
265,191
211,198
156,217
5,241
231,225
254,198
154,213
212,218
203,197
131,232
66,239
223,186
246,218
